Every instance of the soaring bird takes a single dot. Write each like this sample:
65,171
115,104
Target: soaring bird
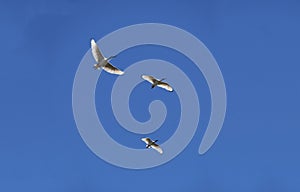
152,144
103,62
157,82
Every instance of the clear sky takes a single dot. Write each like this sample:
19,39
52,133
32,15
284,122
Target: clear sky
256,44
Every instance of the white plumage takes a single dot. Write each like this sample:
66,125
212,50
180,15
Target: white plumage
152,144
157,82
103,62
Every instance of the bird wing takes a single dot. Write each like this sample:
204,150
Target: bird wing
149,78
96,51
157,148
111,69
165,86
147,140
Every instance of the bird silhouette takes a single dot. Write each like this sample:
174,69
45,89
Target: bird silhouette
156,82
103,62
152,144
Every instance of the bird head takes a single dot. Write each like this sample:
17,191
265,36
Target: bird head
111,57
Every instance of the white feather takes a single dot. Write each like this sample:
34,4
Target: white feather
157,82
148,78
112,69
157,148
96,51
165,86
152,144
102,61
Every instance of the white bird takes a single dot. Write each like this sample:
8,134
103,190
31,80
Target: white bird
103,62
152,144
157,82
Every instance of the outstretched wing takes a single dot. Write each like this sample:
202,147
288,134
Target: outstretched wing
111,69
165,86
157,148
147,140
149,78
96,51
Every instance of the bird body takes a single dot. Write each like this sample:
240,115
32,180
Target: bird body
152,144
103,62
156,82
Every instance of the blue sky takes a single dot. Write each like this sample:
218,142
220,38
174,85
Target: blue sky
255,43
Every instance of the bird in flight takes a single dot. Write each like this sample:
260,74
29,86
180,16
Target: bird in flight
152,144
103,62
156,82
